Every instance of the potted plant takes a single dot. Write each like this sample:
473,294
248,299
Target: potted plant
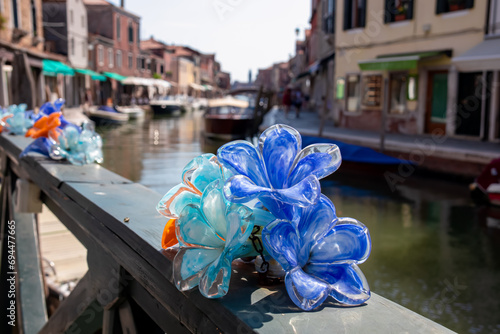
400,14
455,5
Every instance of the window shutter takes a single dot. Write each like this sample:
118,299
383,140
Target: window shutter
441,6
389,9
347,14
469,3
409,15
362,19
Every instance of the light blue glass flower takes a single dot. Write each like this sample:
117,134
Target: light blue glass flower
196,176
320,256
281,175
78,147
211,234
19,122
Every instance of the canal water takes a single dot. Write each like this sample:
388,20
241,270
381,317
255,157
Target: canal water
434,252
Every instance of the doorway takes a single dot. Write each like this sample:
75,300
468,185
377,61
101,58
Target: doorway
437,98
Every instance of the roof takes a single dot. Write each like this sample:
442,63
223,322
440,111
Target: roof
106,3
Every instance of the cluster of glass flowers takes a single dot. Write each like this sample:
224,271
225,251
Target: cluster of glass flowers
271,193
58,139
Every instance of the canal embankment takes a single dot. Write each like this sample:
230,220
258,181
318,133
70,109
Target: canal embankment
436,153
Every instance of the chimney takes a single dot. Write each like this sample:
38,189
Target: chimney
122,3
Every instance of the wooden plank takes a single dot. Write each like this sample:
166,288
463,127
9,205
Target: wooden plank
95,214
127,318
194,311
31,284
72,307
155,310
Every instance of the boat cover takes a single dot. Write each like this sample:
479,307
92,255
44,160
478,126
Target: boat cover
355,153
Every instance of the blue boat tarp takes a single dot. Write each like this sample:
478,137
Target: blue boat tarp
355,153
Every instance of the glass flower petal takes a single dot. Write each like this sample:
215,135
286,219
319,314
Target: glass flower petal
347,283
319,160
193,230
348,241
305,291
244,159
190,264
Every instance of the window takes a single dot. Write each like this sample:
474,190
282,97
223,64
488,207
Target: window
340,89
162,69
138,37
33,18
445,6
84,49
15,14
398,90
82,19
130,33
329,17
100,55
354,14
130,61
494,18
110,57
72,46
148,65
372,90
118,28
352,90
139,63
118,59
398,10
71,16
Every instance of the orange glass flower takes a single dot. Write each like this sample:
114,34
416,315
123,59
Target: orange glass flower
45,126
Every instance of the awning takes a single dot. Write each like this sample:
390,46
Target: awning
484,56
208,87
136,81
396,63
93,75
52,68
115,76
197,87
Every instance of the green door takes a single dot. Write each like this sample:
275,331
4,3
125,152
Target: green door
437,98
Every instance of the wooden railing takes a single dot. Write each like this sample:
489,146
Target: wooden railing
128,287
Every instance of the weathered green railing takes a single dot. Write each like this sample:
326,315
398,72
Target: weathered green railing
128,287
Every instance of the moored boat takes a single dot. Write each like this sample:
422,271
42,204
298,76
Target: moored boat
105,115
486,187
236,116
167,106
133,112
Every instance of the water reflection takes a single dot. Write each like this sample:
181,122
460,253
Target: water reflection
433,250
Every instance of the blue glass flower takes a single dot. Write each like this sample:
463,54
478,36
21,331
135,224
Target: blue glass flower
211,234
49,108
320,256
281,175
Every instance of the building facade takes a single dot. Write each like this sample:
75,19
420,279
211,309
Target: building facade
21,53
65,31
394,64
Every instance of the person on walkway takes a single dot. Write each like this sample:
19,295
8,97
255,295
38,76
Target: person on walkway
297,102
287,100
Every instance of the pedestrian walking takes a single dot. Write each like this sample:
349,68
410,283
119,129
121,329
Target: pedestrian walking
287,100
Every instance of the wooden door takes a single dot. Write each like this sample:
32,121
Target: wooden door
437,98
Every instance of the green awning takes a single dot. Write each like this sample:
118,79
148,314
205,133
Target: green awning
52,68
93,75
399,63
115,76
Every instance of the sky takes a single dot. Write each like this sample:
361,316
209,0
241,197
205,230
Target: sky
244,34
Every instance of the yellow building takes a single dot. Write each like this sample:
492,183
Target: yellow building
396,60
